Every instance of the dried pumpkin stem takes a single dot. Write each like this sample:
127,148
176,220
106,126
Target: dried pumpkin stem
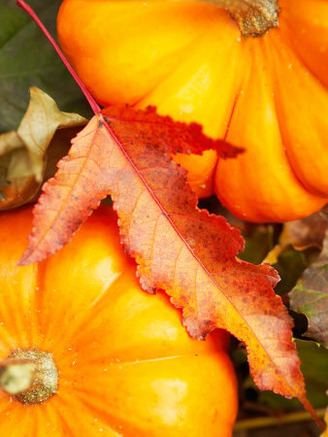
29,375
253,17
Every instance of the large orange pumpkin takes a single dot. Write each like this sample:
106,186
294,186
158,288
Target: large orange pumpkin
126,366
267,94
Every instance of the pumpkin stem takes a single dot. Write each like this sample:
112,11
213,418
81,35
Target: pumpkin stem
253,17
30,375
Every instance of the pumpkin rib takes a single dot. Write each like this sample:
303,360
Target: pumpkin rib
172,96
231,114
13,420
286,32
7,340
18,290
308,27
301,60
202,184
272,196
281,117
84,409
48,421
85,399
248,63
54,290
111,414
5,404
186,50
91,311
275,45
65,428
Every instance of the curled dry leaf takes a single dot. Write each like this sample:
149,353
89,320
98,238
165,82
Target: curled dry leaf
179,248
310,297
309,232
22,152
301,234
17,183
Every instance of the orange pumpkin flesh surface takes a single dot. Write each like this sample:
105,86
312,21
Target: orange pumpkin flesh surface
268,94
126,365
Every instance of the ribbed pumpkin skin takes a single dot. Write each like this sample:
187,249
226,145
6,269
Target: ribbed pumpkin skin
126,365
268,95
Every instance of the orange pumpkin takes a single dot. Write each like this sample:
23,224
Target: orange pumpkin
267,94
126,366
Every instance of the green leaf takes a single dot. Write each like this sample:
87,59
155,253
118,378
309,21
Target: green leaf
27,59
290,265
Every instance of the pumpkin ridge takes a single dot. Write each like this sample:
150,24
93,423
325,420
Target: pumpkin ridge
39,304
87,398
18,294
65,426
165,105
287,33
45,328
81,320
96,409
76,333
304,20
270,54
84,397
248,63
273,64
7,340
186,51
231,114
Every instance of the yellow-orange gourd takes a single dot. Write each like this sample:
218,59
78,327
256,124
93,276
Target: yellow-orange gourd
268,94
126,365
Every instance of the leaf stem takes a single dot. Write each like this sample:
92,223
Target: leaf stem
263,422
93,104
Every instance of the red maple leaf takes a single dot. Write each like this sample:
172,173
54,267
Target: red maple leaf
87,174
179,248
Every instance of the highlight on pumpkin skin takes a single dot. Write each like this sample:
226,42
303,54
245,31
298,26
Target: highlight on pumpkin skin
194,65
126,364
